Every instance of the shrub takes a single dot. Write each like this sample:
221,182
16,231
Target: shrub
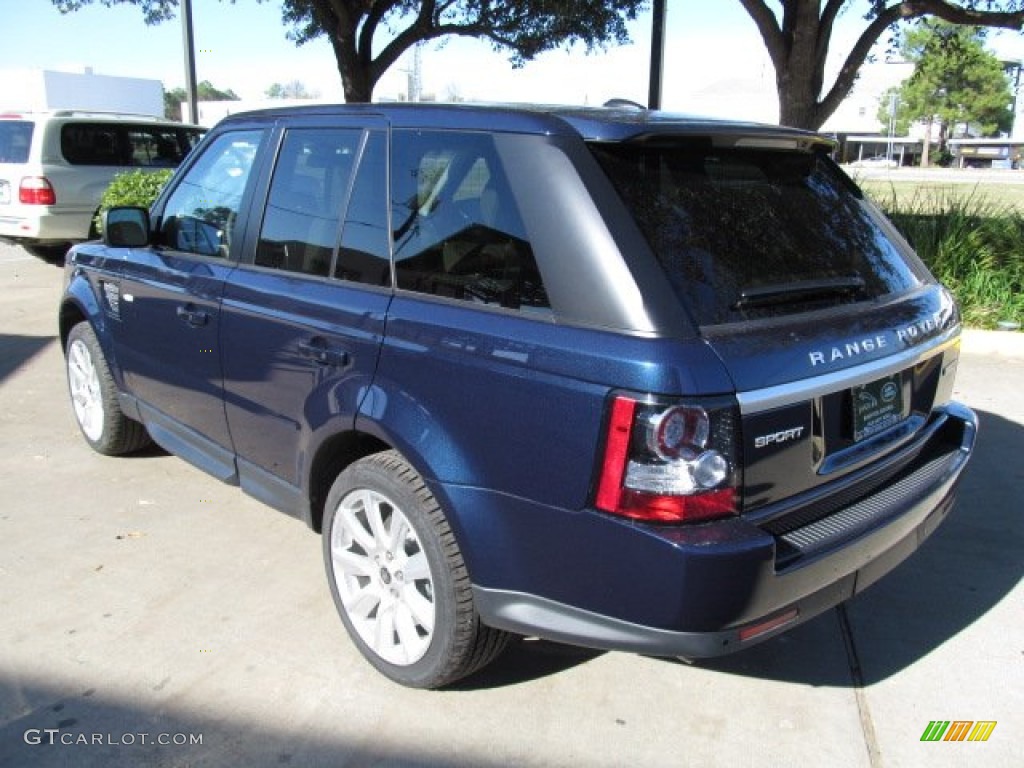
972,245
132,188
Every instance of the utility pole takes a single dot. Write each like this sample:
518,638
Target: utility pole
657,54
190,62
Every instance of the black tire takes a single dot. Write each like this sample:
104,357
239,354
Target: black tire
94,397
371,576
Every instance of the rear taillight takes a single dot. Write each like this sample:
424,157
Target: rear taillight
36,190
669,463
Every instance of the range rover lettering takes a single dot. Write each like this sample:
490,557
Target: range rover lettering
610,377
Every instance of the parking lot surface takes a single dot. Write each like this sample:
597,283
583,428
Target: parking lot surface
152,616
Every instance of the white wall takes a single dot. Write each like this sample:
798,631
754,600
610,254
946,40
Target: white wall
39,89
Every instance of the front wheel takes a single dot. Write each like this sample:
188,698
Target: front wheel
94,397
398,578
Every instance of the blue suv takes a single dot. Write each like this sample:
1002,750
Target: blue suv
609,377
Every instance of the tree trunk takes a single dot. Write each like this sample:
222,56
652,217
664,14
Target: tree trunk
797,107
927,148
355,81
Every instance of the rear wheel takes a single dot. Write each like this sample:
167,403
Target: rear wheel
398,578
94,397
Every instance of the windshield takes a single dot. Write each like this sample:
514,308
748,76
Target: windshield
745,234
15,139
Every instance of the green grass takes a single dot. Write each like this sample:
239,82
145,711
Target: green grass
909,192
971,238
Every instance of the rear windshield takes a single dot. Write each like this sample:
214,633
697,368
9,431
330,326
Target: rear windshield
745,234
144,146
15,139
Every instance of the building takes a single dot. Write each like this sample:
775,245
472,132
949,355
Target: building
39,90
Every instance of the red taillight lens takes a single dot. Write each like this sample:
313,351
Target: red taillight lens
669,463
36,190
616,453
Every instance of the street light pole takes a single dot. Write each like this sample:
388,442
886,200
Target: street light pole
190,61
657,54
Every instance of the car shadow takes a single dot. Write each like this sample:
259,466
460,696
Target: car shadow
49,254
59,724
960,574
16,350
965,569
525,660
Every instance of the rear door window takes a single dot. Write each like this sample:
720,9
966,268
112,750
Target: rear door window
307,195
745,234
94,144
365,254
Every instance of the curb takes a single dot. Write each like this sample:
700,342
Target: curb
998,343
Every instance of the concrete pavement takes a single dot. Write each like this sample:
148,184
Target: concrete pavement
139,596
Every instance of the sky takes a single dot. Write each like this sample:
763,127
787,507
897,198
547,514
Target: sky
711,46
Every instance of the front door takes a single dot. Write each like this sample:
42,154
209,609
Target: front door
170,300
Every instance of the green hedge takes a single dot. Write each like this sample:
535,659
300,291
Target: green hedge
973,245
132,188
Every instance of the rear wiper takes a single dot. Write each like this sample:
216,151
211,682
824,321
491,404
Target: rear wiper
782,293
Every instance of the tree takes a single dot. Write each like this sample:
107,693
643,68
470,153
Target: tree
955,81
798,43
369,36
295,89
205,91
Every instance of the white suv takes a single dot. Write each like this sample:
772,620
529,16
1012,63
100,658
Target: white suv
54,167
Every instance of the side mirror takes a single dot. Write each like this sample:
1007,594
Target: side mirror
126,227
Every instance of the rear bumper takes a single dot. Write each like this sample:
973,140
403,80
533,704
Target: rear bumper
709,590
41,225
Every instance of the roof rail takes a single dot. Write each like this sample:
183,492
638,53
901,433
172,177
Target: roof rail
104,113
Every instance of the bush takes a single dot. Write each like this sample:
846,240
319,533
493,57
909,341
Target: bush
972,245
132,188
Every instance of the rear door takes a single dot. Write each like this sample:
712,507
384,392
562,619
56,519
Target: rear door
303,317
169,340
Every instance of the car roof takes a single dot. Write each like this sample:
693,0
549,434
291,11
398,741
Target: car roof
611,124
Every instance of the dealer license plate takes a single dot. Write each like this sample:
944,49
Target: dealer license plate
877,406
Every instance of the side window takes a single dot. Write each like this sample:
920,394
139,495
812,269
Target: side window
457,228
200,215
189,138
307,192
93,144
156,147
364,256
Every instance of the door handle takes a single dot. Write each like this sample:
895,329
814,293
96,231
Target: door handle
318,350
192,316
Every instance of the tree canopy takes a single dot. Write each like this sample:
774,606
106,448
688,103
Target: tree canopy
956,82
799,34
205,91
369,36
294,89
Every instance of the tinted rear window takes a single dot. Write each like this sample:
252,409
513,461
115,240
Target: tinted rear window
15,139
745,234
